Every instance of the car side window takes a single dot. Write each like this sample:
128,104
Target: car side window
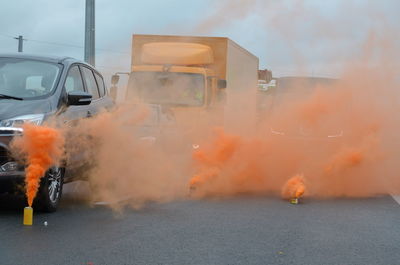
100,83
74,80
91,84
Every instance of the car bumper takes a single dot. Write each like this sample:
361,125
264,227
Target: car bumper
309,143
10,170
11,182
12,175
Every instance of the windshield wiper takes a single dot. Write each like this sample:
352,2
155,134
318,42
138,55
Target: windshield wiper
10,97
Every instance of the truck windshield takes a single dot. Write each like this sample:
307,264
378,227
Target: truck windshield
22,78
170,88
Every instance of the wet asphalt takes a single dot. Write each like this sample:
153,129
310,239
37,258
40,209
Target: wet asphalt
240,230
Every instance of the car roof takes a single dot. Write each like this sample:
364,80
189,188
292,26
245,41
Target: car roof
45,58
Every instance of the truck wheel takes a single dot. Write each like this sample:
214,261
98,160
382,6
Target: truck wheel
50,190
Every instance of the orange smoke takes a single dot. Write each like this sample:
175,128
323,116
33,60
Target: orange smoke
229,165
213,158
206,176
294,187
41,147
345,159
343,136
343,143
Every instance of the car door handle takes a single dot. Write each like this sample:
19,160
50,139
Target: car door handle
89,114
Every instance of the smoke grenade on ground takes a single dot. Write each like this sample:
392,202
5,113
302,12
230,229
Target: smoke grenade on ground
294,187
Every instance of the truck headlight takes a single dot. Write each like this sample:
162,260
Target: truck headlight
36,119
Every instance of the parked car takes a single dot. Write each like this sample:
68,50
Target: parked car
34,89
291,90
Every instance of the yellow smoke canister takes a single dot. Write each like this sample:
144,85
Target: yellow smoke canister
294,201
28,216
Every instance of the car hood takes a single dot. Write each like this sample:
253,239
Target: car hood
14,108
304,132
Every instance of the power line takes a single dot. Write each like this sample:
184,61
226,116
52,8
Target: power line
7,36
109,67
65,44
56,43
72,45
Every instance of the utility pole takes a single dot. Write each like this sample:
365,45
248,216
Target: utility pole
89,32
20,43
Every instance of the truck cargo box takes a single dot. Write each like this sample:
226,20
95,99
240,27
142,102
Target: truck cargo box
230,62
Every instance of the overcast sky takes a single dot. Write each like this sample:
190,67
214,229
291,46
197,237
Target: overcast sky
289,36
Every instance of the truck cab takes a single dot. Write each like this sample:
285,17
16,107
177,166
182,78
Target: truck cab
175,74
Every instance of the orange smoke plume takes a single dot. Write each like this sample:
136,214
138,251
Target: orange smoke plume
206,176
345,159
213,158
229,165
294,187
41,148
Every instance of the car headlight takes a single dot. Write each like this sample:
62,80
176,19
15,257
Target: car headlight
36,119
195,146
340,134
277,132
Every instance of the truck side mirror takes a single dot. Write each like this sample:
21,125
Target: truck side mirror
114,79
221,83
113,92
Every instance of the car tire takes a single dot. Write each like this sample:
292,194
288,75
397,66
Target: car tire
50,190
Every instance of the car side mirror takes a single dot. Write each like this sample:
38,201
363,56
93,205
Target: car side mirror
114,79
79,98
221,83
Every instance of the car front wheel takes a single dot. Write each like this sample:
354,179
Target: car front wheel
50,190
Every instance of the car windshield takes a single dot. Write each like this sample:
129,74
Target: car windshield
298,88
24,78
168,88
291,92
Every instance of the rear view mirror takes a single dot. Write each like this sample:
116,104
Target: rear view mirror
221,83
79,98
114,79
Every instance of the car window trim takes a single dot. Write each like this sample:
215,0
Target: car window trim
80,72
84,81
98,87
102,79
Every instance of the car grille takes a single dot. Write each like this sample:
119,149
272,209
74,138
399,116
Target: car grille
4,155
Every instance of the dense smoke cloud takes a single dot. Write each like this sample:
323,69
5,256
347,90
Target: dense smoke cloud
334,139
352,118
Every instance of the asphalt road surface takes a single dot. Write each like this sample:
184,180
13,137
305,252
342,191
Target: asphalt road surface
241,230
